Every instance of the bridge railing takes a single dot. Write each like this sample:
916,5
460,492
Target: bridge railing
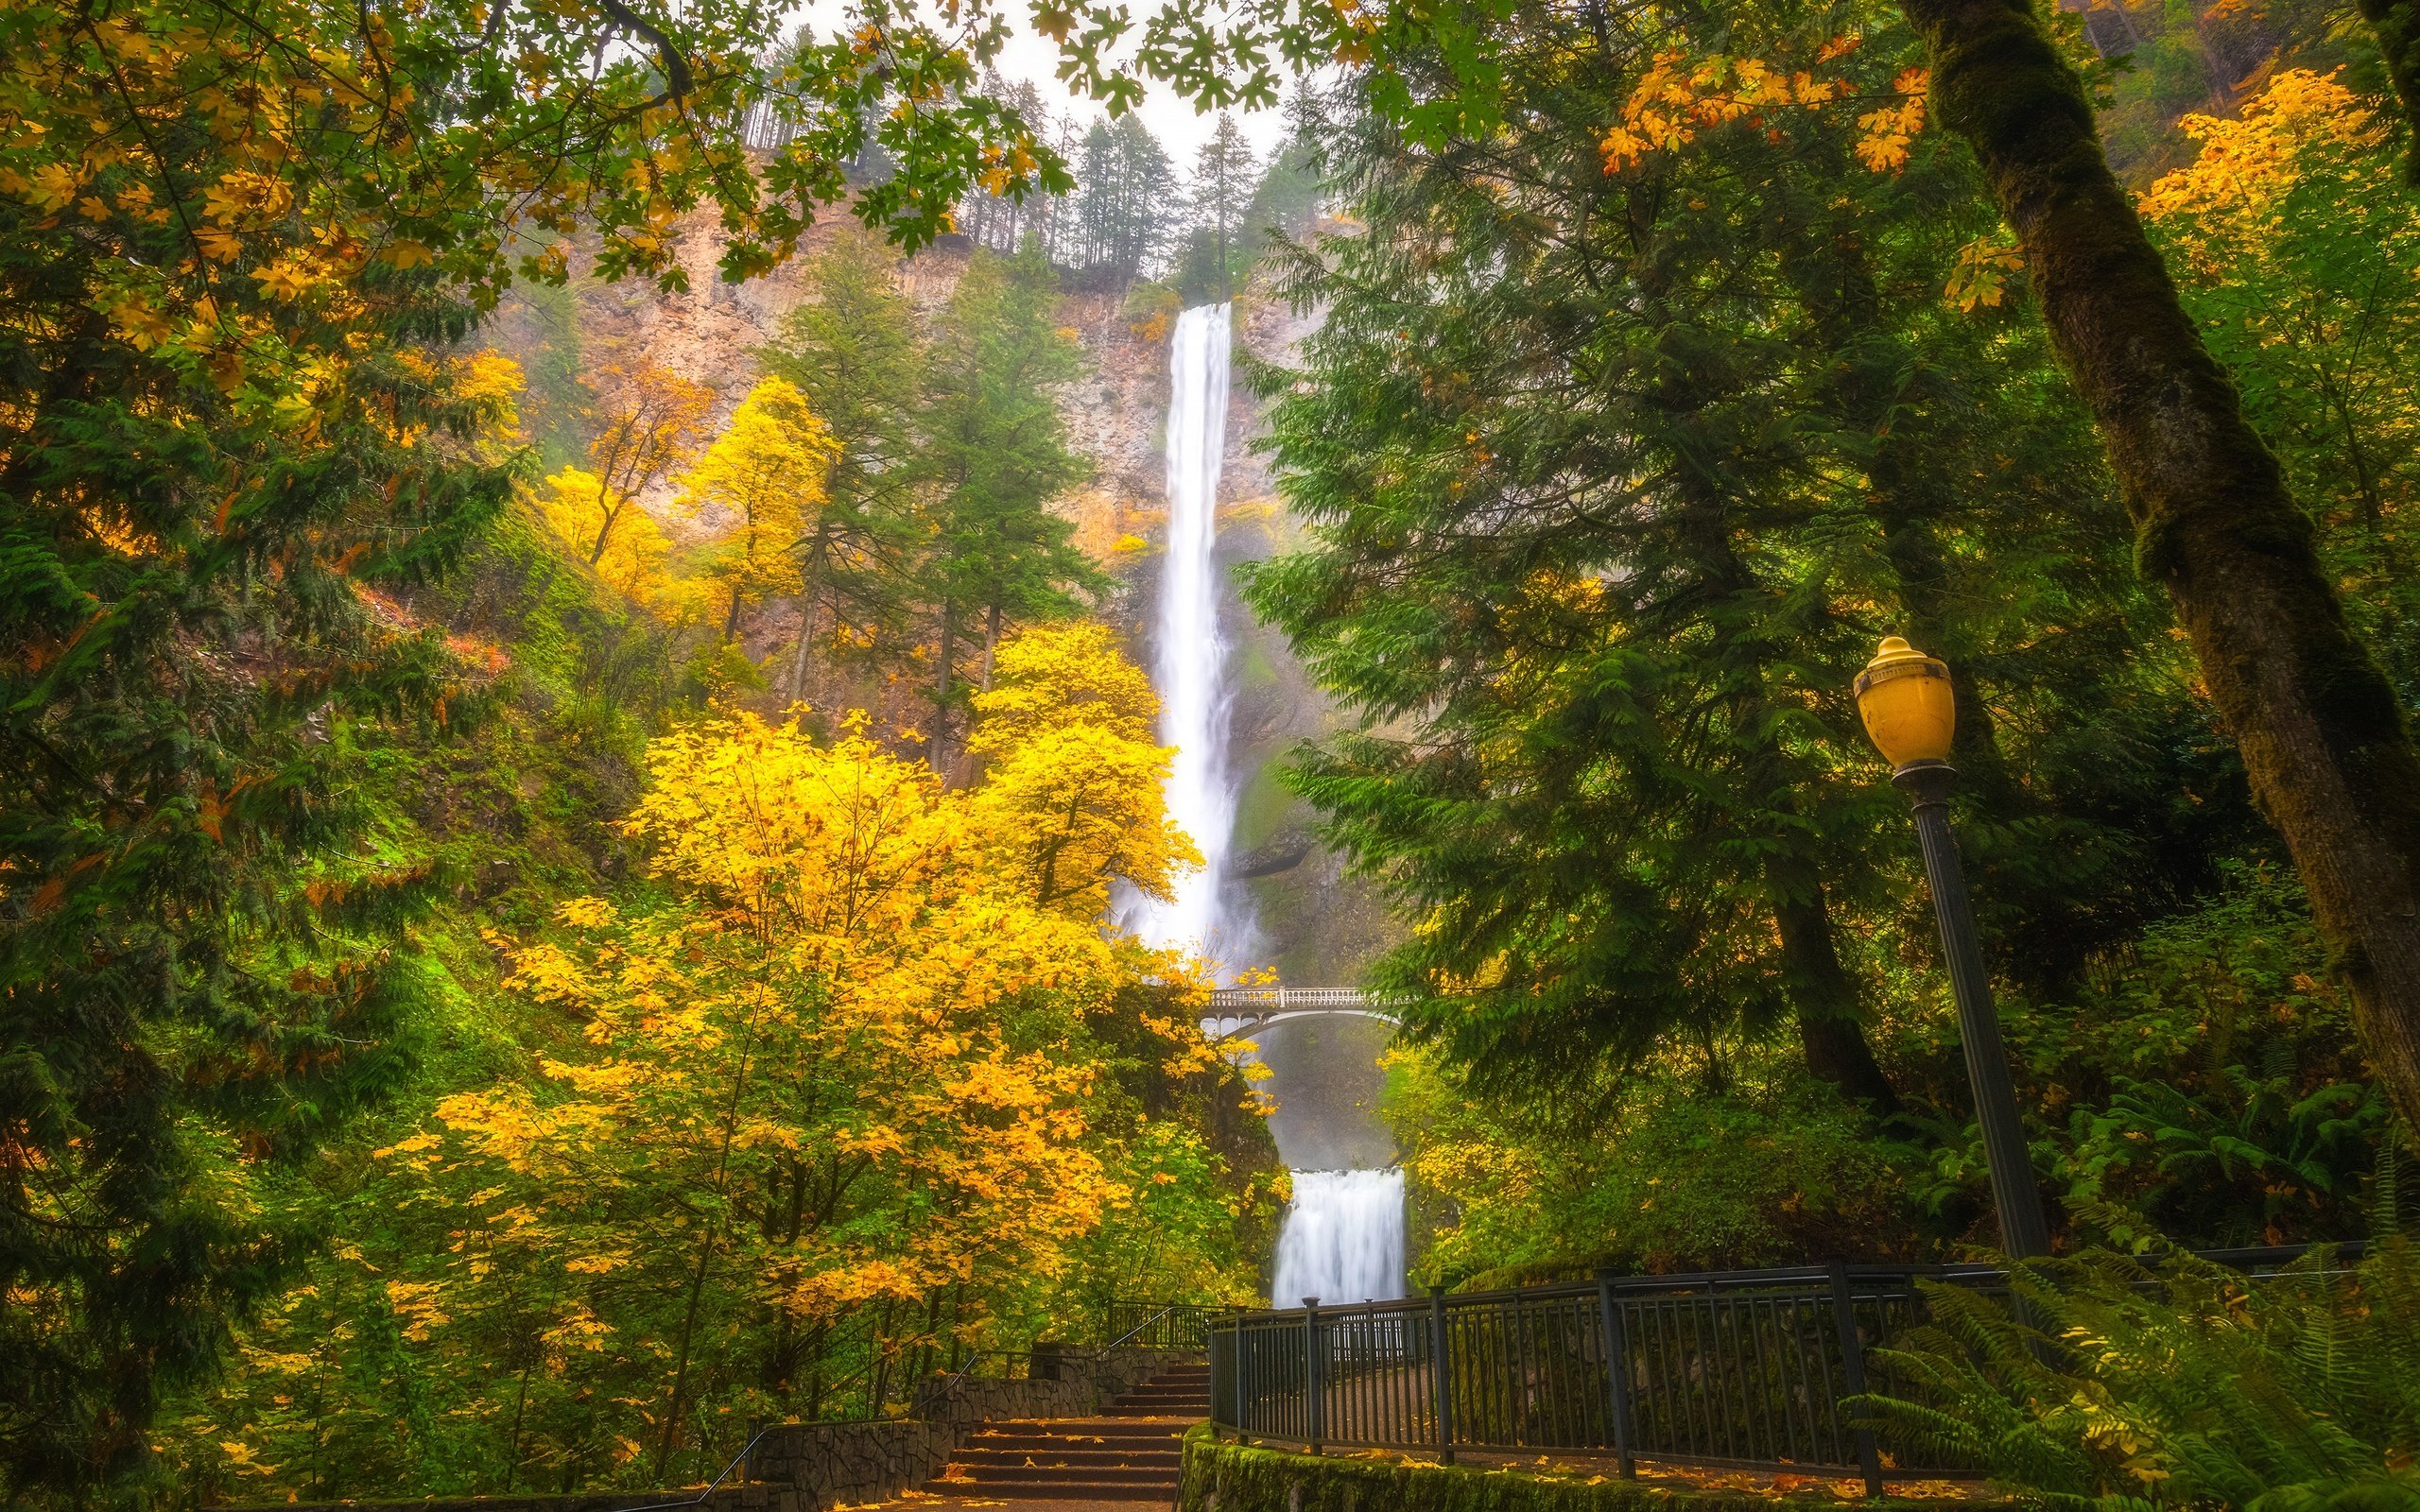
1748,1369
1289,999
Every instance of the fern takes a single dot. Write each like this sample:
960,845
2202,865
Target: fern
2110,1382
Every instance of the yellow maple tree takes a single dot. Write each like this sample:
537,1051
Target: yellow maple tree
651,429
823,1081
1071,801
2223,204
764,477
635,548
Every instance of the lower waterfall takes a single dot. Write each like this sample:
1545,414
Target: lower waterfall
1343,1239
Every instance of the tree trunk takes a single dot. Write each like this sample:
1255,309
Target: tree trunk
1826,996
605,532
2396,25
2322,736
947,650
810,589
798,658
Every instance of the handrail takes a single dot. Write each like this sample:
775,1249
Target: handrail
714,1484
1166,1308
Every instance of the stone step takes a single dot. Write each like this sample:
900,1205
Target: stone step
1166,1442
1165,1406
1097,1474
1160,1409
1060,1454
1127,1454
1074,1429
1170,1444
1158,1493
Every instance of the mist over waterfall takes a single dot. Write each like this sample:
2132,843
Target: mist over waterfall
1344,1240
1189,663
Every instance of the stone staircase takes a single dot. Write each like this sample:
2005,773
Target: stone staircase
1130,1454
1182,1392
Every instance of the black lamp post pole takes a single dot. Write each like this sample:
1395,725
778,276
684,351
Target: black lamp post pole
2024,1231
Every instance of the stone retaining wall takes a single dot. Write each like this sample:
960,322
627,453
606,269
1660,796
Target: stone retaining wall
1224,1476
1077,1384
816,1467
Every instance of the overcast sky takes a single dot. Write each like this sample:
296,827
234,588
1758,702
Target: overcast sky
1035,59
1179,127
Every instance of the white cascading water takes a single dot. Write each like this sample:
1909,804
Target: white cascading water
1344,1240
1190,666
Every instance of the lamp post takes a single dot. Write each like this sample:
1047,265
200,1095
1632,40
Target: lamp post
1905,698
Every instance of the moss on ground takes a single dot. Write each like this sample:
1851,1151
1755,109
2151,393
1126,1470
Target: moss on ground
1228,1477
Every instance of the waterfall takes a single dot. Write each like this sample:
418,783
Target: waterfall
1190,666
1344,1240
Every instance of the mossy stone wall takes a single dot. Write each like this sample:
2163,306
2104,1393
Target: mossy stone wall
1221,1477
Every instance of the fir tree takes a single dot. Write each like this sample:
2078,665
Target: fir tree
993,452
1127,202
1225,173
1607,507
855,351
202,659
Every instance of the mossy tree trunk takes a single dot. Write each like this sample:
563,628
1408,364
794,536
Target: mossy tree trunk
2326,744
2396,25
1831,1022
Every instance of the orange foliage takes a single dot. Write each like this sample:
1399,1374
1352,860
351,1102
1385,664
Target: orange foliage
1681,95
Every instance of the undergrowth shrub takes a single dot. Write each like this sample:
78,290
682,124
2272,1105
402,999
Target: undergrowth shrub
2118,1383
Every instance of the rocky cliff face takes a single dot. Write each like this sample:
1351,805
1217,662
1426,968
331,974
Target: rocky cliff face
1318,928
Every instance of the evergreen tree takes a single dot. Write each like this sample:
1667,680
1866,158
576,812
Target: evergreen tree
1288,198
1608,505
1003,221
855,351
992,454
1225,174
201,665
1125,206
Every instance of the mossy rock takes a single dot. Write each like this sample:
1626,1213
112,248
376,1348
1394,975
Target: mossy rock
1227,1477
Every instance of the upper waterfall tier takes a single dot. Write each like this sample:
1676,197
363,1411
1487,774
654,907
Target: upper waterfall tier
1189,662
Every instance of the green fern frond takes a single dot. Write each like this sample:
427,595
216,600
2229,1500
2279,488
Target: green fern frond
2175,1382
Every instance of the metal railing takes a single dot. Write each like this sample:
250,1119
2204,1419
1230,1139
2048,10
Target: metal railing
1160,1325
1118,1323
1745,1369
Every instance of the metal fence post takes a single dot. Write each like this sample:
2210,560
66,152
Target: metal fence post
1311,1393
1440,1380
1241,1395
1853,1367
1616,1373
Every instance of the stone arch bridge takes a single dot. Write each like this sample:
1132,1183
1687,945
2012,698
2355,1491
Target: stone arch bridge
1244,1010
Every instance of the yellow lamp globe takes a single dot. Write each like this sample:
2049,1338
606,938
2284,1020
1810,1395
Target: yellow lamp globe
1906,700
